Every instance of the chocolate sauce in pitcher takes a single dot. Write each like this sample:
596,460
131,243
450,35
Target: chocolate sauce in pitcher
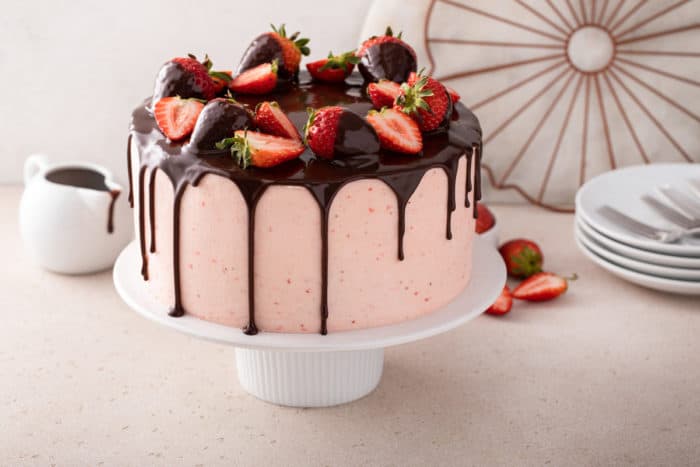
89,179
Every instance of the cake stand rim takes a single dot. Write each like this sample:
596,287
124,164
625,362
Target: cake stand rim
478,295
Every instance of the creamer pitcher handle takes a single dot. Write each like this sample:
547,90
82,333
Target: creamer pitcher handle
33,165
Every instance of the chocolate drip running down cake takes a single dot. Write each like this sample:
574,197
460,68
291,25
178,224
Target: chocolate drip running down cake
311,244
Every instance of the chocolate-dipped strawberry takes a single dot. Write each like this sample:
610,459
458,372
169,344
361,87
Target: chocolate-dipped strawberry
427,101
335,131
386,57
185,77
276,46
219,119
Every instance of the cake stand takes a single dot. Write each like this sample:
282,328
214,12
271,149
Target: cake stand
311,370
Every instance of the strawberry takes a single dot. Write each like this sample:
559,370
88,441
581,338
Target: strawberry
326,136
484,220
260,149
220,79
386,57
334,68
426,100
454,95
396,131
275,45
219,119
541,287
383,93
184,77
259,80
503,303
176,117
523,257
271,119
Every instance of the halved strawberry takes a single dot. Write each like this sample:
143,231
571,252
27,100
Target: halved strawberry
383,93
454,95
260,149
503,303
271,119
176,117
259,80
426,100
396,130
541,287
334,68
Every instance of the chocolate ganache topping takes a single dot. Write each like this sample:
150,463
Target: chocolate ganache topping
323,178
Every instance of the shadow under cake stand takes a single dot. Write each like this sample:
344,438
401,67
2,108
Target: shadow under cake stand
312,370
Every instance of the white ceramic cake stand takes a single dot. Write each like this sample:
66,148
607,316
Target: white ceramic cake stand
311,370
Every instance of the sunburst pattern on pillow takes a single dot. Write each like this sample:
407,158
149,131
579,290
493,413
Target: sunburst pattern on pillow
565,89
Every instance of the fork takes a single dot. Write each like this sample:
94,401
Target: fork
645,230
671,214
689,205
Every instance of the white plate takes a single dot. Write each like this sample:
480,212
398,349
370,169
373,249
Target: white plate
633,264
645,280
623,189
485,286
636,253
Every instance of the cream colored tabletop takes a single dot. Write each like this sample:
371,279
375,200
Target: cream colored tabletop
609,374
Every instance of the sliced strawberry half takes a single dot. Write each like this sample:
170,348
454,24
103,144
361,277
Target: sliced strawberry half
334,68
503,303
259,80
260,149
383,93
270,118
541,287
396,131
176,117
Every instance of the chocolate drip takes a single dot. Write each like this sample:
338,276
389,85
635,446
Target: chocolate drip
152,208
128,168
177,310
477,178
470,158
142,227
110,212
322,178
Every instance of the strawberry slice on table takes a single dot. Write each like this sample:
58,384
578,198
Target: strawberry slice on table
260,149
541,287
523,257
270,118
426,100
259,80
176,117
383,93
454,95
396,131
503,303
334,68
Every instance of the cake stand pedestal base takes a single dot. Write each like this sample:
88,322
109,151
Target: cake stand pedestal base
309,379
312,370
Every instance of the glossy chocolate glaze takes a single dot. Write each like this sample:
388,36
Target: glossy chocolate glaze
89,179
322,178
390,61
218,120
355,136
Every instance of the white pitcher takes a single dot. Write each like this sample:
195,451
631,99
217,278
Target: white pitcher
66,226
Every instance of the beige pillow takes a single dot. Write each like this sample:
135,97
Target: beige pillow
564,89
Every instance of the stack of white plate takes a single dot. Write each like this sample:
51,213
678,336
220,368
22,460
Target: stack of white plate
671,267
